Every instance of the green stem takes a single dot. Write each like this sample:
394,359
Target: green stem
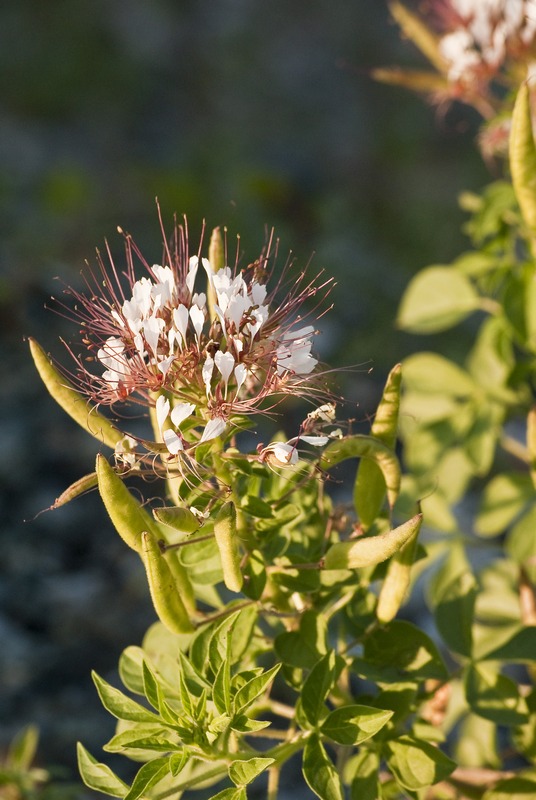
165,546
226,612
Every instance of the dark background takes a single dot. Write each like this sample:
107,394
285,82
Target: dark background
241,113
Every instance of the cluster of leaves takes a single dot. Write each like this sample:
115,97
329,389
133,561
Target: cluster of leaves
20,779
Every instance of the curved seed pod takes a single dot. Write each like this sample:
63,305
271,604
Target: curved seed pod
177,517
523,159
531,443
77,488
369,488
227,541
166,599
128,517
72,402
370,550
216,257
414,29
360,446
396,582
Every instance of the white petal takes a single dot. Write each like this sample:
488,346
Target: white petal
162,410
208,368
192,272
198,319
180,320
317,441
165,364
282,452
240,376
213,428
172,442
225,363
258,293
181,412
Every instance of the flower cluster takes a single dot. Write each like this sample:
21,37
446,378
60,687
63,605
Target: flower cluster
481,35
197,358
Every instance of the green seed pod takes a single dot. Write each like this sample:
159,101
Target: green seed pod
523,159
396,581
128,517
72,402
227,541
216,257
166,599
370,550
177,517
369,489
531,443
77,488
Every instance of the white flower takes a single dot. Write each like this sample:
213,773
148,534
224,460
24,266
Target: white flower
213,428
225,363
294,354
280,454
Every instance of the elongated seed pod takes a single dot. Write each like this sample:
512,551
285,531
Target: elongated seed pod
370,550
369,488
166,598
177,517
72,402
523,160
130,520
77,488
227,541
531,443
128,517
396,581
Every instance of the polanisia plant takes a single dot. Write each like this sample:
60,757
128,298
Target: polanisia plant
277,634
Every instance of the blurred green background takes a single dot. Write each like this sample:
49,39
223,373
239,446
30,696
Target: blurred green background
246,114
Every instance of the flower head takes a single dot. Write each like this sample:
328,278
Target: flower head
199,345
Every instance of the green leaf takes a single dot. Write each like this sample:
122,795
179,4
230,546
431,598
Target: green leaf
155,695
503,499
121,706
253,689
222,684
492,360
317,687
354,724
512,789
432,374
131,669
243,772
417,764
255,575
319,771
454,613
521,541
359,446
22,748
365,768
231,794
494,696
400,651
257,507
149,775
436,299
142,737
367,551
303,648
519,649
98,776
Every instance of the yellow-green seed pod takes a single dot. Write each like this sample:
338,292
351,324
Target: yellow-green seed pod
523,160
227,540
396,581
370,550
72,402
369,489
531,443
422,37
81,486
128,517
216,257
167,601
